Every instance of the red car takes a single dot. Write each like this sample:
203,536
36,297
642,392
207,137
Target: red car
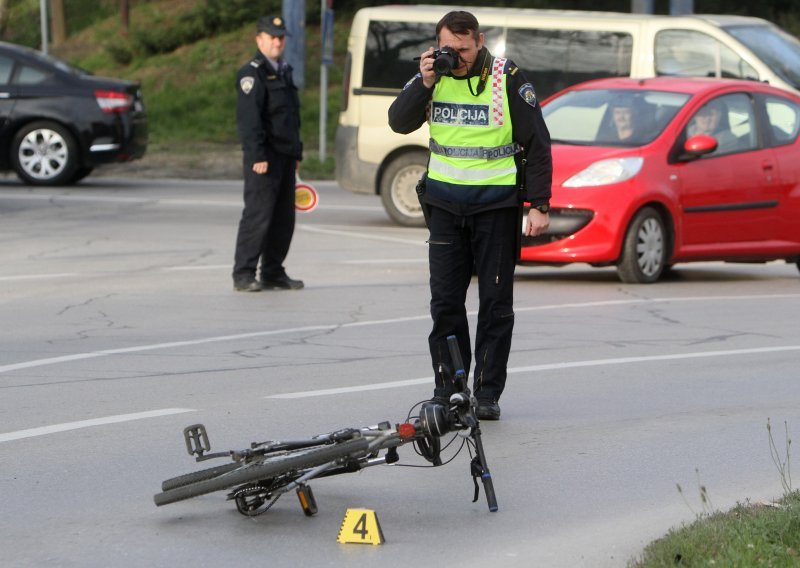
652,172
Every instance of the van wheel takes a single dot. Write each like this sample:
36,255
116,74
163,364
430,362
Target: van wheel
398,189
644,251
44,153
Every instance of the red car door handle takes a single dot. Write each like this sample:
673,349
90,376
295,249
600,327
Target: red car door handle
767,166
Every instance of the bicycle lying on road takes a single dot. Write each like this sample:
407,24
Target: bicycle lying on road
259,475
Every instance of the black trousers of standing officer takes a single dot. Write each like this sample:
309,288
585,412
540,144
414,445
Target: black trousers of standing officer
267,223
487,241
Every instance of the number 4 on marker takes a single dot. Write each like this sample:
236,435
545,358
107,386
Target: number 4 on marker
361,526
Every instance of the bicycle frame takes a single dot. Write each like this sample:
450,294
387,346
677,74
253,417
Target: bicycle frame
261,474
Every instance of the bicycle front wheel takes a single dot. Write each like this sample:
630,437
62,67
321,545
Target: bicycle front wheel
265,469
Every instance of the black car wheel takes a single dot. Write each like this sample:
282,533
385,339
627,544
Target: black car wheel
44,153
644,251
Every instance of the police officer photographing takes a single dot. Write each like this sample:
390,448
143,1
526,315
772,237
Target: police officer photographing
488,140
268,121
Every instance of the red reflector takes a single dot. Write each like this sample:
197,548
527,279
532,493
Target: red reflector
406,430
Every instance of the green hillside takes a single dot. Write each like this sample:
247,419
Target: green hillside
186,57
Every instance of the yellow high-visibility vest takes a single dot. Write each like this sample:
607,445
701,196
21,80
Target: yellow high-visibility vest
471,137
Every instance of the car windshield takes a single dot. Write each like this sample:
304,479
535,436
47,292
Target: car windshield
611,117
779,50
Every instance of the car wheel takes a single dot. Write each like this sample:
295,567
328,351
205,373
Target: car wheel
644,250
398,189
44,153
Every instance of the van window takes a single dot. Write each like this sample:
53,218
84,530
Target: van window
391,49
689,53
390,52
555,59
779,50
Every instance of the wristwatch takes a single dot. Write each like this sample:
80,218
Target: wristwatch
543,208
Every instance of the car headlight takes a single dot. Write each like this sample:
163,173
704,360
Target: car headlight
606,172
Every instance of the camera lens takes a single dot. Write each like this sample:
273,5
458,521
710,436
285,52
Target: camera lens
444,62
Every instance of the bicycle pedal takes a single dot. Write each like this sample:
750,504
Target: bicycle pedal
196,439
307,500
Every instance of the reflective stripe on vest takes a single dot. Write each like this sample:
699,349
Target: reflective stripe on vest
471,140
480,152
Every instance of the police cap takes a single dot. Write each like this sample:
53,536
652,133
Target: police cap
272,25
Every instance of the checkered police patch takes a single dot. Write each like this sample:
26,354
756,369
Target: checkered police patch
246,83
527,94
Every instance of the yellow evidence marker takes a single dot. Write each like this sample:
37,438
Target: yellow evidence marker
361,526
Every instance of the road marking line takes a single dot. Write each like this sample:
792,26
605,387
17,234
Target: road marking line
388,261
545,367
370,236
44,430
38,276
235,337
197,267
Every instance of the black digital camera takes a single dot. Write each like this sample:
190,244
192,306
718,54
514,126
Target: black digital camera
444,60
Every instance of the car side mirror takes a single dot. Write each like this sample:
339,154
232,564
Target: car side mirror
698,146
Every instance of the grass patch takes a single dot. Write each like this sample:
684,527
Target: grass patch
761,534
189,87
747,535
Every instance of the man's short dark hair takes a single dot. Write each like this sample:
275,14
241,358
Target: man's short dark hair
459,22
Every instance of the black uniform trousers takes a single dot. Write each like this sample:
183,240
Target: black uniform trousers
485,240
267,223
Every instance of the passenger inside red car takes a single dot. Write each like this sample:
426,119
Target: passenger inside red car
712,119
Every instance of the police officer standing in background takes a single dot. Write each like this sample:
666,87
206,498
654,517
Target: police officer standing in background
268,121
488,139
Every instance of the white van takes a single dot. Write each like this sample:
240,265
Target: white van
555,49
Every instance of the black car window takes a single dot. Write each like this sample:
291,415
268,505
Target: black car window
6,65
33,76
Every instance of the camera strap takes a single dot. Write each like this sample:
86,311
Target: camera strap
486,68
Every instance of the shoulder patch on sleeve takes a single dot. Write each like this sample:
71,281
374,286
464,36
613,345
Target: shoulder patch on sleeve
246,84
410,81
528,95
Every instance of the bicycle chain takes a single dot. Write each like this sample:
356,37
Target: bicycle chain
247,491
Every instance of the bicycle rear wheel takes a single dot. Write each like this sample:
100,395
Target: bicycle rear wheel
265,469
196,476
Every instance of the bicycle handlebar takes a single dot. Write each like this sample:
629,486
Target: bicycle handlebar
459,373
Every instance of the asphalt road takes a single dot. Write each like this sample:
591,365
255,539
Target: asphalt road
120,327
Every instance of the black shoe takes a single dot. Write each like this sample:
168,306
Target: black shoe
281,283
246,284
488,410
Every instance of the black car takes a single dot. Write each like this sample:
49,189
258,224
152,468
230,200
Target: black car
58,122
